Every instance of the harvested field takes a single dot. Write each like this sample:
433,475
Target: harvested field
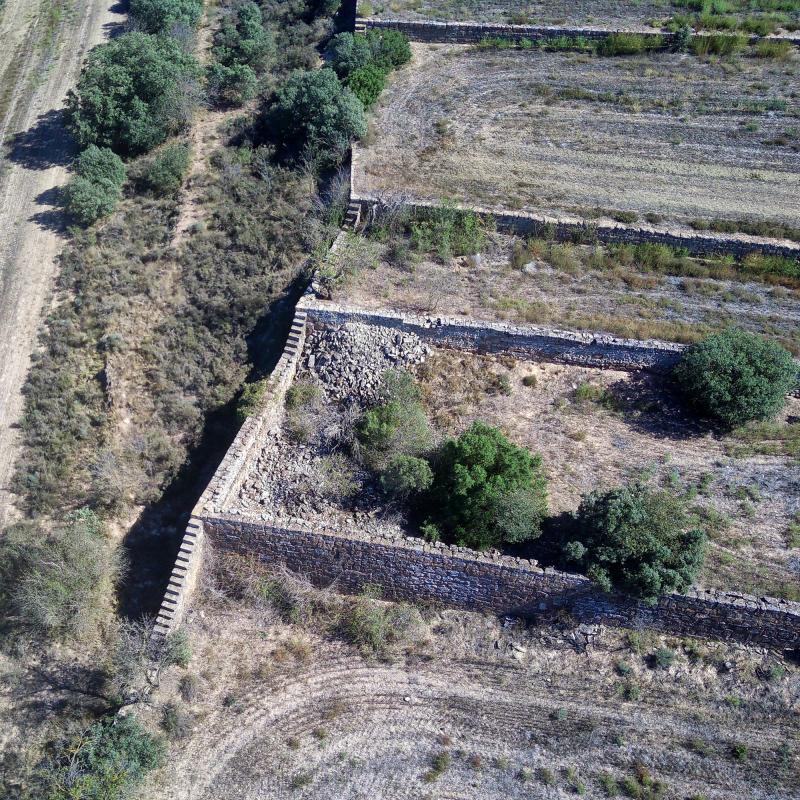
645,16
594,428
543,712
572,286
662,140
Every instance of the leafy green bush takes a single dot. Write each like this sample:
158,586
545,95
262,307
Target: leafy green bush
166,171
735,377
349,52
161,16
638,541
406,475
231,86
104,763
58,584
367,83
448,232
486,490
314,115
97,188
627,44
389,48
250,399
243,39
133,92
399,426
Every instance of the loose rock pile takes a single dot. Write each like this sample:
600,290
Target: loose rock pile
350,360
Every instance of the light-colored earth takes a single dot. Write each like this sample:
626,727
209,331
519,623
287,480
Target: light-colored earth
566,134
44,43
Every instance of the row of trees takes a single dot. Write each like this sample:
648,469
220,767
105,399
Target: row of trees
480,490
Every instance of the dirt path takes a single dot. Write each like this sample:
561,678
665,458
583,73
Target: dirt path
44,45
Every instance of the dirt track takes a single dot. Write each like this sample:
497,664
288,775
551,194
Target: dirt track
40,58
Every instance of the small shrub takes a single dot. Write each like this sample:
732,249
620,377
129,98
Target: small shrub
176,723
638,541
735,377
337,476
301,780
663,658
718,44
250,399
167,170
230,86
189,687
529,381
486,490
405,476
367,83
546,776
440,763
773,48
739,751
97,187
627,44
608,783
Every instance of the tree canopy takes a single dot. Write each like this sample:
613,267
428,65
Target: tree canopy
132,93
161,16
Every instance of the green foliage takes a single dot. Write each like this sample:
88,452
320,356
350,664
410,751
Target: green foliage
106,762
59,585
167,170
384,49
626,44
314,115
406,475
663,658
638,541
399,426
774,48
367,83
718,44
133,92
390,49
161,16
96,189
448,232
735,377
486,490
242,39
250,399
231,86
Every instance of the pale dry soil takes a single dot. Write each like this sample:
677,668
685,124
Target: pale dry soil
663,134
40,57
554,286
289,711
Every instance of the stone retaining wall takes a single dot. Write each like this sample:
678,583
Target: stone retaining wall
473,32
414,570
564,230
532,342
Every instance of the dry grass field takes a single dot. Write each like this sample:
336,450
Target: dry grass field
457,705
665,139
589,13
569,286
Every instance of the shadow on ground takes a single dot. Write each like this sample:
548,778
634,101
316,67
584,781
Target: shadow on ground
43,146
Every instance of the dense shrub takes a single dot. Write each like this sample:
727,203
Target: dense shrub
231,85
97,187
390,49
243,39
104,763
735,377
486,490
638,541
399,426
133,92
58,584
314,115
367,83
718,44
448,232
386,50
161,16
405,476
626,44
166,171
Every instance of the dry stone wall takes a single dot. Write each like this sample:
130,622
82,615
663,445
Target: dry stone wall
415,570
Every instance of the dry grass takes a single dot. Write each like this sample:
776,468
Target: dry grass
567,134
470,709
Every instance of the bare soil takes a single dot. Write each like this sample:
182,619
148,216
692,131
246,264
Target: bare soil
290,711
44,44
583,137
567,286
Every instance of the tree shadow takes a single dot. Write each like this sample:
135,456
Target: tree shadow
117,28
45,145
152,543
54,219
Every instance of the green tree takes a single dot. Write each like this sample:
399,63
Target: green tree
166,171
735,377
97,187
390,49
58,584
243,39
486,490
315,115
639,541
104,762
161,16
132,93
367,83
348,52
405,476
231,85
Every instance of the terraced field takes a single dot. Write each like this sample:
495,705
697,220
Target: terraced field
662,140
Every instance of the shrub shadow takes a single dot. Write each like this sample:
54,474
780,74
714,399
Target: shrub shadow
44,145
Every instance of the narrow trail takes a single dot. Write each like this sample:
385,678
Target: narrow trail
39,62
